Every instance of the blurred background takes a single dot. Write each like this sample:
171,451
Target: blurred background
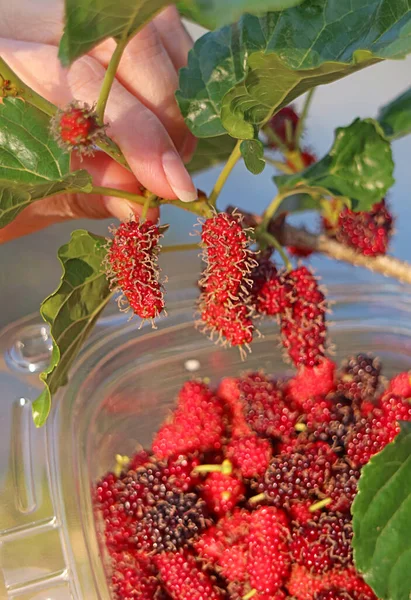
29,267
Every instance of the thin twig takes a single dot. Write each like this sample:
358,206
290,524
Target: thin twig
385,265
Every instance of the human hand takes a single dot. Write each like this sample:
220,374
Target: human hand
143,116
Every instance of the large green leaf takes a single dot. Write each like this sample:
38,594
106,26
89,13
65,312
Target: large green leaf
215,13
72,310
89,22
237,77
16,196
395,117
382,520
210,152
359,166
32,166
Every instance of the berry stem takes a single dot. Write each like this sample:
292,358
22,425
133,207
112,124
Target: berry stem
275,139
288,132
301,121
226,468
272,241
17,88
151,200
320,504
228,167
179,248
279,165
109,78
250,594
121,463
258,498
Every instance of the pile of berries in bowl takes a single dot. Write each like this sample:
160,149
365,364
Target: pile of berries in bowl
246,490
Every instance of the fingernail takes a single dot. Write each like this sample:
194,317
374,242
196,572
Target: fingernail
178,177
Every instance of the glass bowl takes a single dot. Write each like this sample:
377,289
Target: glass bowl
121,387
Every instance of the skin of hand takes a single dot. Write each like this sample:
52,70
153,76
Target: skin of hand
142,114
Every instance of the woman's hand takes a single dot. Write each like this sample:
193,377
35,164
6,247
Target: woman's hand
143,116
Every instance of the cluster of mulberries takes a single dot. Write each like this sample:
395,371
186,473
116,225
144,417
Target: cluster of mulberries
368,232
297,301
236,288
247,489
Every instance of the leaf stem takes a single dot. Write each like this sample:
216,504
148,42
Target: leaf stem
272,209
276,202
303,117
109,78
272,241
108,146
12,85
228,167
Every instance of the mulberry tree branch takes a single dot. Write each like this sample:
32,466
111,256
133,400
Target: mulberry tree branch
385,265
287,235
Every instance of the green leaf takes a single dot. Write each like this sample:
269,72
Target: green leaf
359,166
298,203
215,13
89,22
210,152
239,76
16,196
253,153
395,117
382,520
72,310
32,166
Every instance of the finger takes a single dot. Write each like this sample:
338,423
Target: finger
143,139
174,36
39,21
146,70
189,148
178,42
107,173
